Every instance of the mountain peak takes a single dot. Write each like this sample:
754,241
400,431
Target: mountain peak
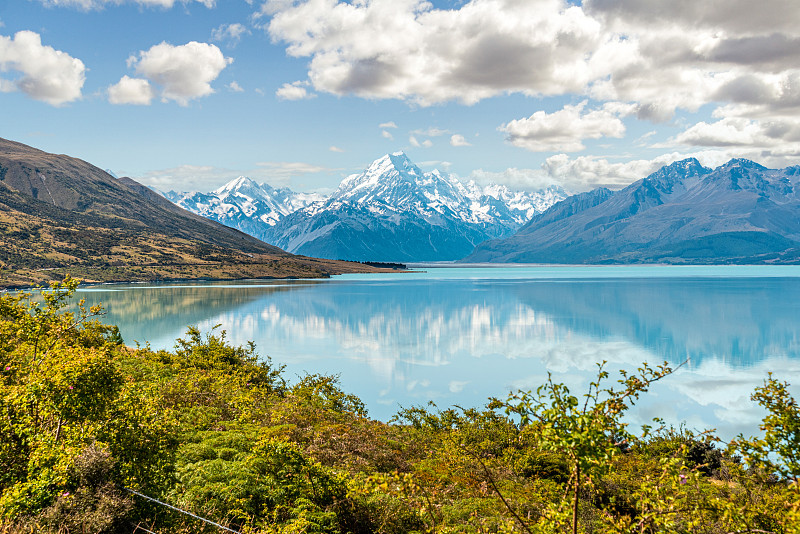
242,182
742,163
397,161
689,166
670,176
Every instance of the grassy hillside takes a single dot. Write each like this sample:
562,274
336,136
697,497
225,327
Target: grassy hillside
60,215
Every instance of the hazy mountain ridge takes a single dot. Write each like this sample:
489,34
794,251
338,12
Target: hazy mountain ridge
393,211
740,212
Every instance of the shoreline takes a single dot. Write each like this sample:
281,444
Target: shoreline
271,268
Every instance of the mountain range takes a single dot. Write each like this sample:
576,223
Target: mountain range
60,215
392,211
740,212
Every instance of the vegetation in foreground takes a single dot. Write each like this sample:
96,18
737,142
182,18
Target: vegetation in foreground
216,431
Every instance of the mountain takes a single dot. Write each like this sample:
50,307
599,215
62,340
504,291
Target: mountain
393,211
740,212
245,205
61,215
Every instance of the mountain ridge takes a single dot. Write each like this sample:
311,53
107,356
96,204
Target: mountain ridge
739,212
61,216
391,211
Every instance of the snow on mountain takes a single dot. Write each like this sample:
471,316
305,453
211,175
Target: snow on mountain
394,211
740,212
244,204
390,211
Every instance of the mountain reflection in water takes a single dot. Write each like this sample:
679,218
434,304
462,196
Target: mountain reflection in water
457,337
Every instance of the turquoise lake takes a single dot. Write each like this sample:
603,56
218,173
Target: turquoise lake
458,335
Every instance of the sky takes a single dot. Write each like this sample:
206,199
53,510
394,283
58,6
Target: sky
189,94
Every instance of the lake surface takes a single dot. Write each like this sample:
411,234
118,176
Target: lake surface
458,335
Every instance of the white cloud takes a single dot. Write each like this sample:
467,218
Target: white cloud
294,91
207,178
564,130
100,4
726,132
386,135
427,143
43,73
231,33
431,132
654,56
588,172
235,87
187,178
183,72
459,140
389,124
128,90
287,169
773,143
394,49
518,179
733,16
333,148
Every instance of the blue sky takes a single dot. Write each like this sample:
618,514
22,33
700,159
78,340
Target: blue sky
189,94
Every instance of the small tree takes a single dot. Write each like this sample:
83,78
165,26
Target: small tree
589,432
778,451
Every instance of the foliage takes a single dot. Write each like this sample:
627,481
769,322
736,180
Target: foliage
778,451
590,433
217,431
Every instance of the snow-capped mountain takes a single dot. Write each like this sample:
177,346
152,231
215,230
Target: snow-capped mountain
393,211
740,212
244,204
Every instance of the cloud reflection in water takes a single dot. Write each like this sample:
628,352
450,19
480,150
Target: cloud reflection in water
459,341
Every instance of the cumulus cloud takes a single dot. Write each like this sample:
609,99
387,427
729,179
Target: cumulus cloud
100,4
775,141
393,49
129,90
386,135
187,178
734,16
589,172
234,87
230,33
334,148
294,91
41,72
659,57
459,140
564,130
390,124
427,143
184,72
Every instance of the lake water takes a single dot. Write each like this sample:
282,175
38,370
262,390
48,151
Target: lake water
458,335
